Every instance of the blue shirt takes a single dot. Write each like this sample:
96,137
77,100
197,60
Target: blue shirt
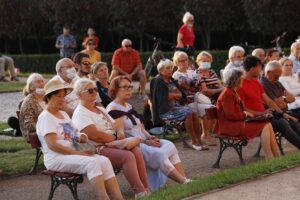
68,41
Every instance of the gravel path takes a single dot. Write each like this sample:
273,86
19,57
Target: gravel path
9,104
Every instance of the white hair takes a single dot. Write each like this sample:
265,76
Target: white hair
187,16
31,82
126,41
177,55
235,49
61,63
81,83
293,46
163,64
256,51
272,65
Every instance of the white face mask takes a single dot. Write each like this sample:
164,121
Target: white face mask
238,63
39,91
71,73
190,25
205,65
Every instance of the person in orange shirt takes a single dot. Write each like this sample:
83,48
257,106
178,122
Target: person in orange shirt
95,56
126,61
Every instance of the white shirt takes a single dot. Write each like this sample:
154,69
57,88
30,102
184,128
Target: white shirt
293,87
229,66
72,99
48,123
296,63
83,117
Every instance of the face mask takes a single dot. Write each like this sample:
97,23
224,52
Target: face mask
71,73
189,25
205,65
238,63
39,91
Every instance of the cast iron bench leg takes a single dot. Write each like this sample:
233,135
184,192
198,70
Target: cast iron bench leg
223,146
54,184
257,154
37,157
239,149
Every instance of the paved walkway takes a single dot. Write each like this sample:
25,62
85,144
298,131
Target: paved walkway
279,186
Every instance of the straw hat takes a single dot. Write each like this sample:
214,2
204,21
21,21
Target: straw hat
54,85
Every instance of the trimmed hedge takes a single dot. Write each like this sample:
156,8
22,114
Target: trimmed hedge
46,63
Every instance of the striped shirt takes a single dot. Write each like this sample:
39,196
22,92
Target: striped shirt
211,81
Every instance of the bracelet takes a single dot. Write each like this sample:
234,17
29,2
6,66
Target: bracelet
116,135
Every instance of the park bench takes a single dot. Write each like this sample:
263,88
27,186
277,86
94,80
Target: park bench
234,142
57,178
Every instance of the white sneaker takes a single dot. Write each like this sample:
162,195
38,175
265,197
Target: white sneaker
141,194
187,180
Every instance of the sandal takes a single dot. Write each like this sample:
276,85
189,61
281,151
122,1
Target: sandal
201,147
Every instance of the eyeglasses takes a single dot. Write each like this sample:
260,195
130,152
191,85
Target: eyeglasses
86,63
127,87
91,44
91,90
183,60
127,46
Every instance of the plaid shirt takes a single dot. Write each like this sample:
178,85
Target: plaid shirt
67,40
127,61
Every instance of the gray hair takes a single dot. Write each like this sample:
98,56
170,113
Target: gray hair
126,41
233,50
163,64
177,55
96,66
272,65
187,16
81,83
232,77
30,83
204,53
61,63
256,51
284,59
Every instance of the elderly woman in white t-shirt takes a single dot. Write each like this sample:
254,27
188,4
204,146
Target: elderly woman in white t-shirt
101,130
59,152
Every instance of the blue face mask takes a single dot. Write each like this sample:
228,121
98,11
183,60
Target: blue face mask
205,65
238,63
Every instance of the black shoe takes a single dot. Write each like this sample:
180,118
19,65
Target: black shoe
3,79
14,78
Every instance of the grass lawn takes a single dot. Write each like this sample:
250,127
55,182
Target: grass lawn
226,177
11,87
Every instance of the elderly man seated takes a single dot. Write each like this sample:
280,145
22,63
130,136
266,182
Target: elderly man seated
66,74
126,61
7,63
275,90
255,98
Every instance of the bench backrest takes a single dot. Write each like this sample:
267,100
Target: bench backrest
34,140
211,113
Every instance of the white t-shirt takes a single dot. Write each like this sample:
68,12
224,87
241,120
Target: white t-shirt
189,77
83,117
48,123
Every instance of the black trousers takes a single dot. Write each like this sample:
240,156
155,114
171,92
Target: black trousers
290,130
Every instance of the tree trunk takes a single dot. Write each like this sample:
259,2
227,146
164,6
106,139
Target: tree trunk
141,41
20,45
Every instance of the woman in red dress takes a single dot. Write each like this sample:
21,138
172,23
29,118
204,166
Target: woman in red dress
231,117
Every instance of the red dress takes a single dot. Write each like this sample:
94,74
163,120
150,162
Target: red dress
231,117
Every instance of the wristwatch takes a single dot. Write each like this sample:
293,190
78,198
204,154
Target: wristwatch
116,134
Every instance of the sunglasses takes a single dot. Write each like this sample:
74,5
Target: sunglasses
91,90
127,46
91,44
127,87
86,63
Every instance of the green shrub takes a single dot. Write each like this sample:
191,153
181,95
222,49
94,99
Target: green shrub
46,63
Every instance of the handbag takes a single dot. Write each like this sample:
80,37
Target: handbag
260,118
202,99
84,147
127,143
